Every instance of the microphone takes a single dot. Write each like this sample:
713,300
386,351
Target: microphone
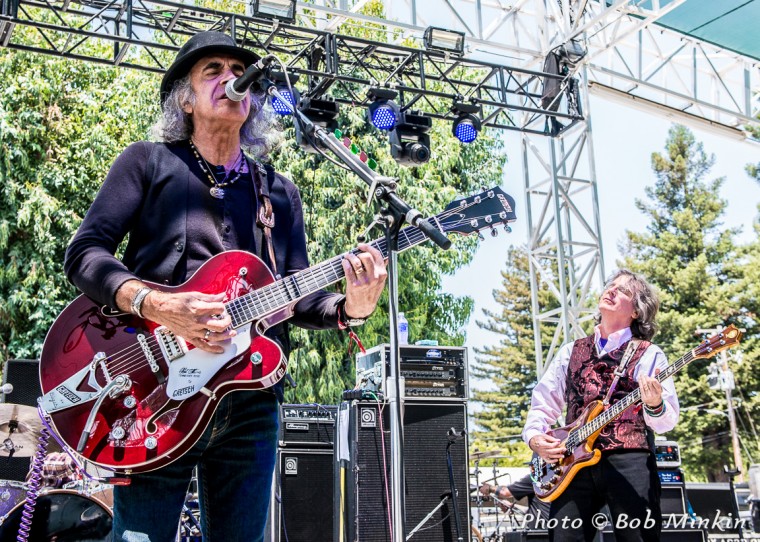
6,388
237,89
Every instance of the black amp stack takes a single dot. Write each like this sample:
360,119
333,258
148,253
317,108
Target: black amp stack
301,506
429,372
332,476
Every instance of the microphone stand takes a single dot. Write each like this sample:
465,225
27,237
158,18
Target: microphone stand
395,212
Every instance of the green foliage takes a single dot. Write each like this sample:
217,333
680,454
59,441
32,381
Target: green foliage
61,125
692,260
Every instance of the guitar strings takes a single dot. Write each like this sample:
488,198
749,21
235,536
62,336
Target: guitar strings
577,436
275,296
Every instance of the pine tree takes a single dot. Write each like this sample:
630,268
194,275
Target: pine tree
685,253
508,369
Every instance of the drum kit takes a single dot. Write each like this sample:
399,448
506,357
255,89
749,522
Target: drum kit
492,517
60,499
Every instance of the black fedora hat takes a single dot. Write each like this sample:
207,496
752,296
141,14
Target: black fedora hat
200,45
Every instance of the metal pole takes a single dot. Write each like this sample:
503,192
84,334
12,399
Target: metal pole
728,386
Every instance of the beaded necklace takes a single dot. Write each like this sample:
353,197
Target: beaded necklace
216,189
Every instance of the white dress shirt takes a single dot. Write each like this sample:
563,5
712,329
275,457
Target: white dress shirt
548,400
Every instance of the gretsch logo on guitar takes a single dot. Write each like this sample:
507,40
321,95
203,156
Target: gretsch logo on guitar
551,479
131,396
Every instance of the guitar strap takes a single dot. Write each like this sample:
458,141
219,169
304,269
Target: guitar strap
265,214
633,345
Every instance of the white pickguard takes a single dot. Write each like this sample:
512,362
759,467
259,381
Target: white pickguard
191,372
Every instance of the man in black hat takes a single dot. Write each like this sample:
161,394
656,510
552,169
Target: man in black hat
180,202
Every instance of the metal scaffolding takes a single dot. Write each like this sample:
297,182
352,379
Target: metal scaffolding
628,58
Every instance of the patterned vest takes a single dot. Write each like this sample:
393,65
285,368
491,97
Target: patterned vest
589,378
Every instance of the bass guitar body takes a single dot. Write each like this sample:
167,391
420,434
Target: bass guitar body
129,395
551,479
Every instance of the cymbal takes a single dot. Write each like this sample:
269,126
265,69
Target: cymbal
20,428
476,455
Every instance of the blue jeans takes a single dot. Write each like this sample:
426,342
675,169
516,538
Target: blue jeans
235,459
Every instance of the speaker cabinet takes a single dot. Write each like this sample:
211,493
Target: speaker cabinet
24,374
364,472
302,503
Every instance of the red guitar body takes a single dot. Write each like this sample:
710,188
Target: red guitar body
141,428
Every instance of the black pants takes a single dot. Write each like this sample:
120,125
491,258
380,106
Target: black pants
625,481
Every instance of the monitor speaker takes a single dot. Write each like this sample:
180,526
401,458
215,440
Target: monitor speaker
24,375
302,503
364,474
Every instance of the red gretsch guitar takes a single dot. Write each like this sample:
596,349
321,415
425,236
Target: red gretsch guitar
130,396
551,479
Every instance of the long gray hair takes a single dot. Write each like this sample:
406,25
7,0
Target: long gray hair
645,301
259,134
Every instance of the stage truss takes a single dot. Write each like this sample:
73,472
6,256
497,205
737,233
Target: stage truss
628,57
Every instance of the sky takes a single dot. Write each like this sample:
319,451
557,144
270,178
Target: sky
624,140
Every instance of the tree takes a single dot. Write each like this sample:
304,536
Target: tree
61,125
509,367
685,252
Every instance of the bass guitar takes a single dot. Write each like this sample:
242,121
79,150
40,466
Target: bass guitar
551,479
130,396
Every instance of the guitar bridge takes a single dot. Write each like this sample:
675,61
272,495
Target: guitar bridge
172,347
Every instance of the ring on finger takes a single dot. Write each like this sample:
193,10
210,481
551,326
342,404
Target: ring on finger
207,335
359,270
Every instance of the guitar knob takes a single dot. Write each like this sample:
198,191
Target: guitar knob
554,480
130,401
118,433
558,470
151,443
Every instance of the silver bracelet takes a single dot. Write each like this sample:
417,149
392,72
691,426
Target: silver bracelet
137,301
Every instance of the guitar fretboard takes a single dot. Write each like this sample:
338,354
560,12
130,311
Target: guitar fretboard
283,292
579,435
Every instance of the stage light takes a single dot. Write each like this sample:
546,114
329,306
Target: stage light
321,112
283,10
466,125
289,93
383,112
440,39
279,106
410,143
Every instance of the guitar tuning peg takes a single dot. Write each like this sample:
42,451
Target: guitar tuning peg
480,237
494,232
507,228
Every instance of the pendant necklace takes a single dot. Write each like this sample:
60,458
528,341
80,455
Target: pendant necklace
217,188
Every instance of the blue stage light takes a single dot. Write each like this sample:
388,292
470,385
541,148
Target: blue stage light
281,108
383,115
465,130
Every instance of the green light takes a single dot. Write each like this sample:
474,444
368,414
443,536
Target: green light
338,134
372,164
354,148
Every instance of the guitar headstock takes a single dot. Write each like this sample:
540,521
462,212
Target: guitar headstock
731,336
479,212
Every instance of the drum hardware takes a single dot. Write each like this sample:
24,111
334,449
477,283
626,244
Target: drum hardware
20,427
